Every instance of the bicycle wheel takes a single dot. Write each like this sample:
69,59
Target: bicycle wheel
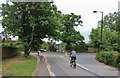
74,65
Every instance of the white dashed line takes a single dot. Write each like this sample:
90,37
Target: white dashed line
82,66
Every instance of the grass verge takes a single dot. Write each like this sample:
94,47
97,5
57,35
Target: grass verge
18,66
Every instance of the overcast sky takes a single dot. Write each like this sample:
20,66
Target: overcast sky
85,8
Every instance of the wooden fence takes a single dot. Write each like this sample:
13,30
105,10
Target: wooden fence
9,52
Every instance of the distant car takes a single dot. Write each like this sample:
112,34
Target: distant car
42,50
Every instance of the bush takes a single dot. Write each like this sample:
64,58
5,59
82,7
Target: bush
16,45
109,58
8,45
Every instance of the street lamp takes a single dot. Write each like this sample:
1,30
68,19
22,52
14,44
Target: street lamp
101,24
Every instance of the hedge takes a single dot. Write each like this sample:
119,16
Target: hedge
8,45
109,58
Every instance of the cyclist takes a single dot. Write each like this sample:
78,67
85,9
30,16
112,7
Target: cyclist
72,56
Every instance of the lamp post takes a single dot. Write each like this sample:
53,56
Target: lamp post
101,25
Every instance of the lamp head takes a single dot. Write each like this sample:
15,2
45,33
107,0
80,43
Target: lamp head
94,11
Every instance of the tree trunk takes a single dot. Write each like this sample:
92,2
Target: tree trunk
28,49
25,50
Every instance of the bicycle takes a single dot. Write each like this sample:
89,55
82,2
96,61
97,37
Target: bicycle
73,63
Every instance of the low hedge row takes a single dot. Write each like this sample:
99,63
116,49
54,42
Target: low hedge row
12,45
8,45
109,58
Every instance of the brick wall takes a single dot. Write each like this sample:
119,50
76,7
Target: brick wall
91,50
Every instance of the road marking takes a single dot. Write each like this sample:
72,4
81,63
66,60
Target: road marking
89,71
49,68
50,72
82,66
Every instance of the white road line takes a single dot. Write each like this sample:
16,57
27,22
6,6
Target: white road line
49,68
82,67
50,72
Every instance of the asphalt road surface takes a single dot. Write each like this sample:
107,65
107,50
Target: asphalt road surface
58,65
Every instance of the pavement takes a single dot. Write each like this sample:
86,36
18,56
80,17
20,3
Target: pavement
41,67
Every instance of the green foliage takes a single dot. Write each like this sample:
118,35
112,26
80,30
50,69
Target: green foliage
110,58
111,40
44,45
68,47
95,38
8,45
19,44
69,34
110,36
112,21
81,47
90,44
51,47
31,22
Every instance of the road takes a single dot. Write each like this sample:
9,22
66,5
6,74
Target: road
58,65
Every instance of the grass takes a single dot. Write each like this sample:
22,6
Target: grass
18,66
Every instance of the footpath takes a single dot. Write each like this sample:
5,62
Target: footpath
41,67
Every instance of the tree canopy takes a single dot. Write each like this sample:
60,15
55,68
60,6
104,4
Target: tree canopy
111,30
32,21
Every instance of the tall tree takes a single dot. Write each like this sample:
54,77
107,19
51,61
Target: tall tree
30,21
69,34
65,31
